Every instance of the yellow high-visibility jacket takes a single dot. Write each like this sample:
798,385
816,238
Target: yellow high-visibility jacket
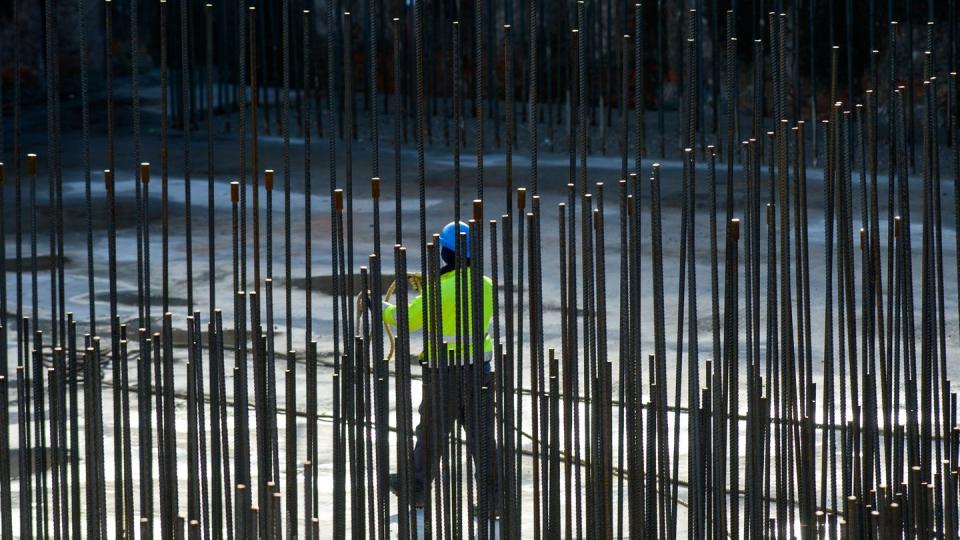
448,313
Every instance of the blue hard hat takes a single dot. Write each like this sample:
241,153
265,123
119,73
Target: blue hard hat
448,237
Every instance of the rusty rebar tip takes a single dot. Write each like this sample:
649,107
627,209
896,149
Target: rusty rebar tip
31,164
596,219
769,213
478,210
268,179
234,192
108,179
338,200
2,173
896,227
863,237
521,198
735,228
145,172
375,187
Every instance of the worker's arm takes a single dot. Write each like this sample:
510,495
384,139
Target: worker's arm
414,314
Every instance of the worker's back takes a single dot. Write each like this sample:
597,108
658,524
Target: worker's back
448,305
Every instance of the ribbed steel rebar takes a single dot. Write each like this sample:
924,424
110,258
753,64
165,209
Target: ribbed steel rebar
826,409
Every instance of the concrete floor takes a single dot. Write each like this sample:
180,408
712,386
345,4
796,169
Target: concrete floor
554,175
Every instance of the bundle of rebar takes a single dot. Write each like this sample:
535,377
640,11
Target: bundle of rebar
820,405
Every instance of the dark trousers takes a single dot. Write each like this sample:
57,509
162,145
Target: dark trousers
457,405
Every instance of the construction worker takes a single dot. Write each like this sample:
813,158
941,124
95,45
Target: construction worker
456,400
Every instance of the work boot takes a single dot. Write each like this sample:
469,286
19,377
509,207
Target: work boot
416,495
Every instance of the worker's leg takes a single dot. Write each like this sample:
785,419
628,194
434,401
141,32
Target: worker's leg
425,459
481,442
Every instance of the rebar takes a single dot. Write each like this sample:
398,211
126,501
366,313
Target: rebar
826,409
185,121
